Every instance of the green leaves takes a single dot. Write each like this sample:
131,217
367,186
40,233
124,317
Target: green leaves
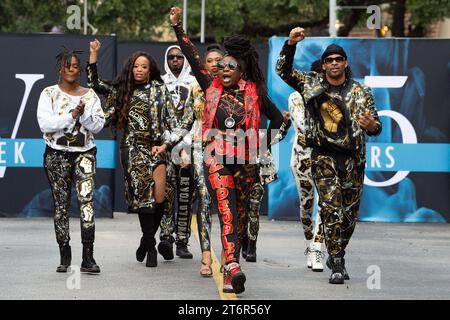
148,19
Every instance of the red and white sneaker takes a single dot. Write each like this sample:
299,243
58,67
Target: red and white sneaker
233,271
227,287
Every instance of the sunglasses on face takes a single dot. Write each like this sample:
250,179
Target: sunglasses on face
173,56
231,65
337,59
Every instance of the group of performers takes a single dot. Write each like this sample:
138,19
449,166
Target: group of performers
182,143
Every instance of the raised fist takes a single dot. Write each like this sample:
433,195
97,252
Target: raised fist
95,45
175,14
296,35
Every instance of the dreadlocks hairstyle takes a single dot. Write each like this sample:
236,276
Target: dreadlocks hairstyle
125,86
240,48
64,59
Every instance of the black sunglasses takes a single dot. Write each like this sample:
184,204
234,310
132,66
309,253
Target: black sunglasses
173,56
337,59
231,65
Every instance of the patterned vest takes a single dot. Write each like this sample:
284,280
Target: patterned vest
252,105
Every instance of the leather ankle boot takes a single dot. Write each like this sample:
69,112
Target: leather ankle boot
251,251
65,253
88,264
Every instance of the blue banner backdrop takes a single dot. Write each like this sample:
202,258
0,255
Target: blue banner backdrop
30,66
408,165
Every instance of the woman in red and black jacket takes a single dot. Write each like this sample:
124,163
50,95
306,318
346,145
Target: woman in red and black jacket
235,100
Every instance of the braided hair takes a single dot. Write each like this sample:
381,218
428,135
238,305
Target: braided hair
240,48
64,59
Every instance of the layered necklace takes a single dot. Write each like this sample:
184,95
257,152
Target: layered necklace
233,107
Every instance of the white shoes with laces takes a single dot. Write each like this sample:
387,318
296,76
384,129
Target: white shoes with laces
316,256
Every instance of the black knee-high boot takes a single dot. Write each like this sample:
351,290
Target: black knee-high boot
165,248
156,216
146,221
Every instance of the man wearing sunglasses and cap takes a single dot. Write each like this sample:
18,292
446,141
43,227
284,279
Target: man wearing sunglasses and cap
339,113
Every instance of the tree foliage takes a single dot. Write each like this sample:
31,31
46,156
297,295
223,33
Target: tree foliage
259,19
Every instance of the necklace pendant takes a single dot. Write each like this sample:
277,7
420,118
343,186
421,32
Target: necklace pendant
229,122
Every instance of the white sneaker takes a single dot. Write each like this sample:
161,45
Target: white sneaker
317,256
308,253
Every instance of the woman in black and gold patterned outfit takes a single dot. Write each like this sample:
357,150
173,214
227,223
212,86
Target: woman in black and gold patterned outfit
138,103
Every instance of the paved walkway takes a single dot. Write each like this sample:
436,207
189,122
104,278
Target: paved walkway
384,260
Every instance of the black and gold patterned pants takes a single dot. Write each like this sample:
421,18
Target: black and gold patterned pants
63,169
204,218
168,220
179,185
339,183
253,210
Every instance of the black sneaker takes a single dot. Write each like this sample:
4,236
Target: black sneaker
337,270
183,252
165,248
346,276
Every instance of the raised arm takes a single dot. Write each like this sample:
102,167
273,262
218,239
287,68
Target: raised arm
99,86
94,82
189,50
284,68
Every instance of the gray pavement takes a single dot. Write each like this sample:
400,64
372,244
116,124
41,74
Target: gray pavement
412,260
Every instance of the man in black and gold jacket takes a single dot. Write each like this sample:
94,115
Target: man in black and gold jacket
339,113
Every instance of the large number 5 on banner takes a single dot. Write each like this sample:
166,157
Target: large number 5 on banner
406,128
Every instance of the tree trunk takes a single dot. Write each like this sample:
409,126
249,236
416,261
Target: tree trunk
350,20
398,24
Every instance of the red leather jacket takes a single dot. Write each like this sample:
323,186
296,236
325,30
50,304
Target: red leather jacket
252,105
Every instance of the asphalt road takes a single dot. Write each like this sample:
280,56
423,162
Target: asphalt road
384,260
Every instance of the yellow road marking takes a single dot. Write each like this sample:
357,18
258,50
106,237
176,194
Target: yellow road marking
215,266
